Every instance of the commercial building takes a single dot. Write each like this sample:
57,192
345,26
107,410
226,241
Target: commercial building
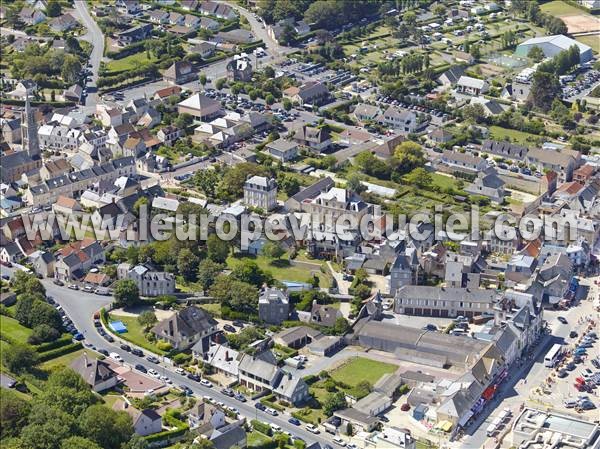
553,45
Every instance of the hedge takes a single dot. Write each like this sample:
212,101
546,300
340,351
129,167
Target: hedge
132,49
49,355
261,427
58,104
64,340
167,434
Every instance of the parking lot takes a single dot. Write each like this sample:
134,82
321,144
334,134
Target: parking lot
575,88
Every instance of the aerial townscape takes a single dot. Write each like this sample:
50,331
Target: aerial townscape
300,224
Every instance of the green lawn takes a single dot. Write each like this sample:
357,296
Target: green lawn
135,333
66,360
560,8
129,63
442,181
256,438
593,41
360,369
11,327
519,137
282,270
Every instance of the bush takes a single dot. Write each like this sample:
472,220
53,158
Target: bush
64,340
164,346
181,358
261,427
42,333
49,355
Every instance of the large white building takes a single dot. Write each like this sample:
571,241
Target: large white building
553,45
261,192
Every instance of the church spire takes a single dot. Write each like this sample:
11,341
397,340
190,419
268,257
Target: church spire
29,131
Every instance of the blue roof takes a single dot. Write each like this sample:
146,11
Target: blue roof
118,327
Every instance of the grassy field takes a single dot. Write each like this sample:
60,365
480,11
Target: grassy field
360,369
560,8
13,329
282,270
592,40
135,333
519,137
256,438
128,63
66,360
442,181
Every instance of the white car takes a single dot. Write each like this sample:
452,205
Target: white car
275,428
587,373
312,428
339,441
271,411
180,371
206,383
116,357
152,372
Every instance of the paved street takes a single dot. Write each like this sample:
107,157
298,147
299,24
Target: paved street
96,38
80,307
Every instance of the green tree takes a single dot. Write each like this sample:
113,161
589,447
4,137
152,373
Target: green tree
544,89
187,264
272,250
220,83
206,181
203,79
419,177
475,51
473,113
147,319
53,9
237,295
288,184
334,402
341,326
71,67
79,443
106,427
126,293
208,271
408,156
439,10
287,104
19,358
13,414
47,427
536,54
42,333
26,283
248,271
217,250
202,443
269,99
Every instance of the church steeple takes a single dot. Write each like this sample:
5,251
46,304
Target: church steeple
29,132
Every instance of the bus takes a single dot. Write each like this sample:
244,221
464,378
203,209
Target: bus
553,356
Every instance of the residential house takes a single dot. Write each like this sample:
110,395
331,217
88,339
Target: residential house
31,16
273,306
239,69
404,121
186,328
175,18
441,136
10,253
324,315
74,259
134,34
66,206
261,192
451,76
204,49
63,23
219,10
584,173
169,134
488,184
366,112
145,422
149,281
504,150
472,86
235,37
558,161
189,5
163,94
192,22
180,72
96,373
73,93
205,416
16,164
463,161
282,149
310,93
209,24
316,139
297,337
128,7
231,435
158,16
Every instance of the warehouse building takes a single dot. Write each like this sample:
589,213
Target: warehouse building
553,45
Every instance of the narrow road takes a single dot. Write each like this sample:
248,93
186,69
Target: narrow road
80,307
96,38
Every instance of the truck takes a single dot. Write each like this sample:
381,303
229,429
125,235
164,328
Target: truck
294,362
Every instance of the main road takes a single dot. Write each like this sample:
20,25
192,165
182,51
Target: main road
80,308
95,37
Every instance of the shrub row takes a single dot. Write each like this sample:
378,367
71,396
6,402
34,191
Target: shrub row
49,355
261,427
167,434
65,340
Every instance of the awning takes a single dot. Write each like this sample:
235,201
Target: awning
446,426
465,418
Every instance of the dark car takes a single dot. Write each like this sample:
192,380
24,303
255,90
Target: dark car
187,390
563,373
260,406
294,421
577,360
78,336
125,347
103,352
238,323
109,338
193,377
240,397
152,359
596,363
229,328
571,366
141,368
58,282
572,334
228,392
430,327
562,319
138,352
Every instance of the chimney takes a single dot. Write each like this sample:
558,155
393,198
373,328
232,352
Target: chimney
227,356
171,328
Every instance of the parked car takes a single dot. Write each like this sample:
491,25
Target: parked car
141,368
562,319
206,383
125,347
260,406
572,334
563,373
152,372
137,352
228,392
193,377
58,282
312,428
229,328
271,411
240,397
116,357
294,421
180,371
108,338
187,390
339,441
104,352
